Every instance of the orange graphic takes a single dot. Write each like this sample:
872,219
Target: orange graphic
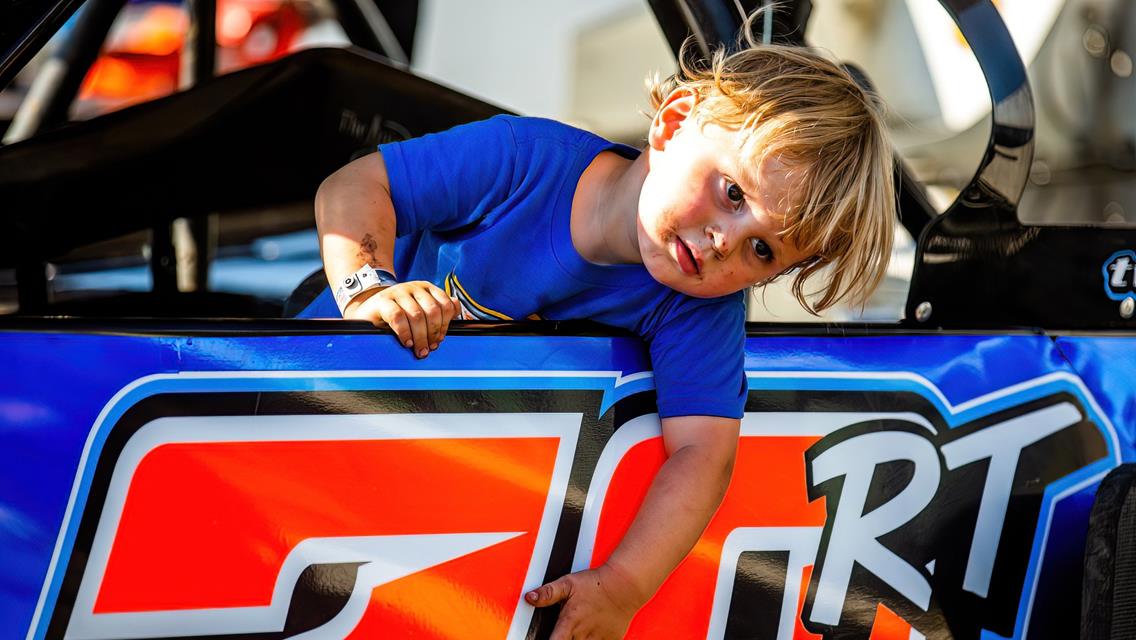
889,626
209,525
768,489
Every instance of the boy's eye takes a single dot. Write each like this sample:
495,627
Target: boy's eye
761,249
734,193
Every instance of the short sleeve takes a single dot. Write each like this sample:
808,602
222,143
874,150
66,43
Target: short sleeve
699,360
448,180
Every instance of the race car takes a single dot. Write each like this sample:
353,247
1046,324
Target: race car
182,462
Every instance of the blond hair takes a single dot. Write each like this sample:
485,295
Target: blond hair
806,111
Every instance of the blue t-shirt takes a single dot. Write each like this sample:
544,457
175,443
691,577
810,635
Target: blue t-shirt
483,211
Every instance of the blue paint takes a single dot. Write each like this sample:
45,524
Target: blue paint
52,397
1108,368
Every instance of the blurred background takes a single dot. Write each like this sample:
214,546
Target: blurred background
584,62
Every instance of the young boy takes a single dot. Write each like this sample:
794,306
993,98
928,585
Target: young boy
759,163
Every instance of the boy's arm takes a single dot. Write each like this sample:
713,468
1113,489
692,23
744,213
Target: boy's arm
356,221
680,502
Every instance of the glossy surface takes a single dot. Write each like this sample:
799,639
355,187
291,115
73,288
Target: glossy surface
276,484
977,264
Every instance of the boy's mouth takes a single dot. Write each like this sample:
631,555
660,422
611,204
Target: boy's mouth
686,260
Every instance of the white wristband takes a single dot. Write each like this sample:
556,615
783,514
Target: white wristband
365,279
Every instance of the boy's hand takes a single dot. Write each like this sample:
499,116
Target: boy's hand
598,603
418,312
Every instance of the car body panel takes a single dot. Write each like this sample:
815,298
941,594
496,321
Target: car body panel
66,433
1107,365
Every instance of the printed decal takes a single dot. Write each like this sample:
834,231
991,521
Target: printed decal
322,525
1120,275
843,522
860,507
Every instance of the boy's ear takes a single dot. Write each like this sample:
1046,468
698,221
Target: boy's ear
671,116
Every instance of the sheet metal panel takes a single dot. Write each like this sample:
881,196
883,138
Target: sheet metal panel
886,486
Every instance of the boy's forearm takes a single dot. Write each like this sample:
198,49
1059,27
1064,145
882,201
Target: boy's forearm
355,219
680,502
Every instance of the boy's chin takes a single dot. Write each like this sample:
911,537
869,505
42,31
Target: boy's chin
689,286
666,273
700,293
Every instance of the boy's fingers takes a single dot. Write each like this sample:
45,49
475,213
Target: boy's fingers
448,304
416,318
419,314
549,594
433,313
449,311
396,319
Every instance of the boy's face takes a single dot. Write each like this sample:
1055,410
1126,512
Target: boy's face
708,224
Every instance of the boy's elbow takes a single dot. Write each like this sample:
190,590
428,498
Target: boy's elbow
724,465
358,185
325,195
729,457
721,452
712,441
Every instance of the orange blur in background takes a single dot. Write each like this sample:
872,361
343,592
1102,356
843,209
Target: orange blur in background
143,55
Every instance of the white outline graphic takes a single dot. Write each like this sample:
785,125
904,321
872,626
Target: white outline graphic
647,427
418,552
626,437
327,381
381,553
800,542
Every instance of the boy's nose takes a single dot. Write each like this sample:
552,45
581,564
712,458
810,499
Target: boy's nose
719,240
